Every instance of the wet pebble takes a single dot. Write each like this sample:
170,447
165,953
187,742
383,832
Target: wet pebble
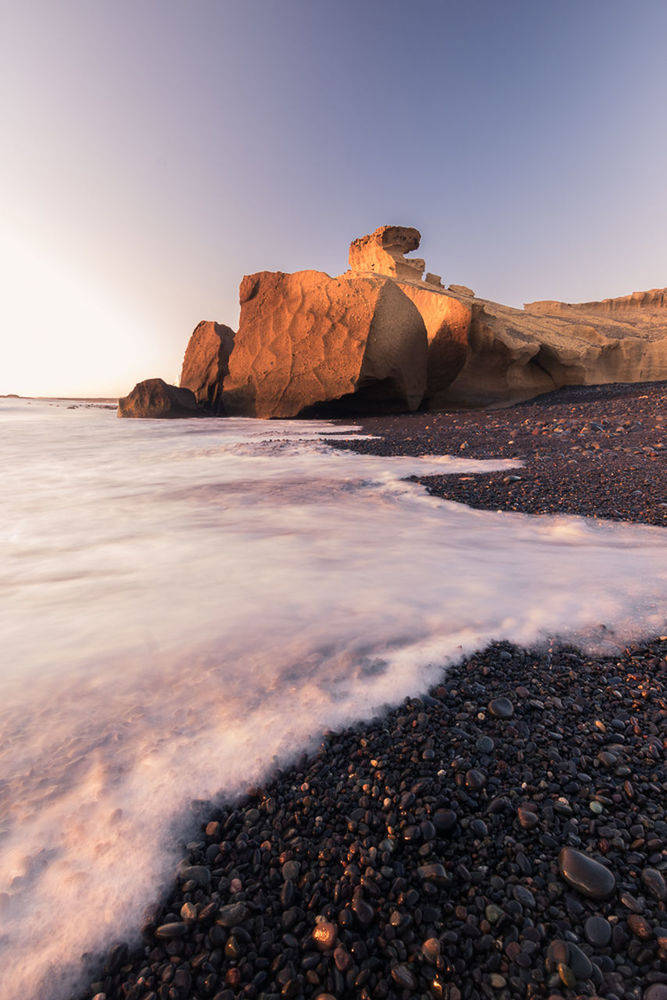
232,914
655,883
199,874
169,932
586,874
324,935
501,708
403,977
444,820
598,931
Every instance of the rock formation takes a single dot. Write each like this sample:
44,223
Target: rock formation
155,398
206,363
383,252
515,354
306,339
379,338
446,318
481,353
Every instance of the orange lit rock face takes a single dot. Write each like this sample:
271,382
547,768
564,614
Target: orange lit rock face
206,363
306,339
154,398
383,252
447,320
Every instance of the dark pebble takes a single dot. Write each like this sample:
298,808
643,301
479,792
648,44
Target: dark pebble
444,820
475,779
403,977
586,874
169,932
598,931
656,991
501,708
232,914
655,883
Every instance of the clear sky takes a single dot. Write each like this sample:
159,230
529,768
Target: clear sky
154,151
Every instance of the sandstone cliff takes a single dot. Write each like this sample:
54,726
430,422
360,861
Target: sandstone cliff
515,354
482,353
381,337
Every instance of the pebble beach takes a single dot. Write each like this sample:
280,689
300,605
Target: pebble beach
503,836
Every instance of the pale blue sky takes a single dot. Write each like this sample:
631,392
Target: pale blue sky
154,151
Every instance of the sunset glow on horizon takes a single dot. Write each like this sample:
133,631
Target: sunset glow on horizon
155,153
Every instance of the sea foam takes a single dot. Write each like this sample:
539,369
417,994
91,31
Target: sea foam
182,603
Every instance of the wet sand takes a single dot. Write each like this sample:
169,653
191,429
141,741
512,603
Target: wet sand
437,851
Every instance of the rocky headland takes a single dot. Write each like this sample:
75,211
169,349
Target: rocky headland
386,337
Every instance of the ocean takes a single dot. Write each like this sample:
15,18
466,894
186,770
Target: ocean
184,604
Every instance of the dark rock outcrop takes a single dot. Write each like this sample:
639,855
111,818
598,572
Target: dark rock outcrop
155,398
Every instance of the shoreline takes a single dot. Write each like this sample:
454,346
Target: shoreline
596,451
419,854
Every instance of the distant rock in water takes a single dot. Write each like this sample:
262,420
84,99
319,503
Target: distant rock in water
306,339
156,398
383,337
206,363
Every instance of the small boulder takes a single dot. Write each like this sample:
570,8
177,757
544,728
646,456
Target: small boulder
154,398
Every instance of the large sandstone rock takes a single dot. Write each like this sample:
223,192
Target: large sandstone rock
446,318
206,363
306,339
155,398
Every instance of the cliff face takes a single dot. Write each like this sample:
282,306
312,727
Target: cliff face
645,304
481,353
515,354
381,336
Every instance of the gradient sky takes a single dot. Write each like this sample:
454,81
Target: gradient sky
154,151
